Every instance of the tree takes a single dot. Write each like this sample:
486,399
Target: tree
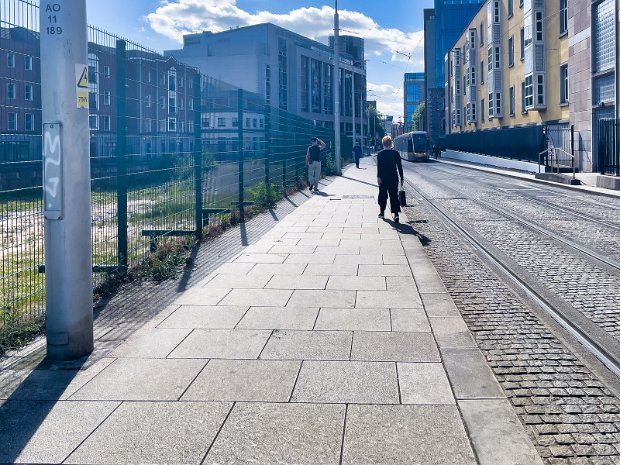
417,120
376,127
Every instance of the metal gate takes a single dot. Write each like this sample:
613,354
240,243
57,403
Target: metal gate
609,146
559,150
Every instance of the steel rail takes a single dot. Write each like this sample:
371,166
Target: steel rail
599,351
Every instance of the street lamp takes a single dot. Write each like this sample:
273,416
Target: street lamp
337,87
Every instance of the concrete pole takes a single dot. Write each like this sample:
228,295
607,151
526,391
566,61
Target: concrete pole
68,259
337,88
362,120
353,107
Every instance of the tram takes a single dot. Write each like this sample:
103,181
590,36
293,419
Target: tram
412,146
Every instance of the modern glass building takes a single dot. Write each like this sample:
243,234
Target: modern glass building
451,19
414,95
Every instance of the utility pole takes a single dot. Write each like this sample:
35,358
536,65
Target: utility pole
66,179
337,88
353,106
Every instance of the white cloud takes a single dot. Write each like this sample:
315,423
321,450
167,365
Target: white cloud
173,19
389,99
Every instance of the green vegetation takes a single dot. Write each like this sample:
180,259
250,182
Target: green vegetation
417,119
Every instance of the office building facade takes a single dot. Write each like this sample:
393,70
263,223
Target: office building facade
291,72
413,96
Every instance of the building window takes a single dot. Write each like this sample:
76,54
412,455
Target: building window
496,10
93,122
473,75
490,58
520,3
172,104
12,121
563,84
563,17
497,58
106,122
512,101
523,110
221,122
162,102
235,122
107,98
457,87
472,38
27,62
305,82
529,92
511,51
510,8
482,72
282,74
267,84
149,76
491,99
482,110
172,80
28,92
481,34
181,104
162,128
539,26
190,103
148,125
540,90
148,101
248,122
10,60
522,33
29,122
498,104
473,112
11,92
106,71
603,18
172,124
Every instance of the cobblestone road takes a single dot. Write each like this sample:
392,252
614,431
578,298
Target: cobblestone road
571,415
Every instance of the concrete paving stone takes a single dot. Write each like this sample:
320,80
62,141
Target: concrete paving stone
426,276
320,242
285,242
354,319
308,345
424,383
347,383
395,260
322,298
411,434
497,434
297,282
357,283
261,258
205,316
439,305
154,343
290,269
333,269
258,297
319,229
234,268
452,332
412,320
338,250
386,251
470,375
260,247
361,244
47,432
201,296
390,299
302,318
43,384
245,381
305,235
346,239
384,270
293,249
393,346
248,281
148,432
368,259
280,434
400,284
141,379
222,343
315,258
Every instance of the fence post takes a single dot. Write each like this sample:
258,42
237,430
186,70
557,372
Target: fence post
198,152
66,179
240,154
267,143
572,147
285,151
121,155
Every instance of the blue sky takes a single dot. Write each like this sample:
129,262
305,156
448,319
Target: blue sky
392,30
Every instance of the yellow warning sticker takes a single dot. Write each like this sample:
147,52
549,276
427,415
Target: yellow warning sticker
81,86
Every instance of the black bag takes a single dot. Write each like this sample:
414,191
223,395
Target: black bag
402,198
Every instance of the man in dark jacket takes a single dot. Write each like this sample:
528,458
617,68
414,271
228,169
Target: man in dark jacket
357,154
389,169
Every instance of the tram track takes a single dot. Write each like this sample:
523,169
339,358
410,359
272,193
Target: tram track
598,343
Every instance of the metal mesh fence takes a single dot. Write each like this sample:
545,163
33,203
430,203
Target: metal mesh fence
171,151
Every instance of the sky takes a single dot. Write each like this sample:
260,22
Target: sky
393,31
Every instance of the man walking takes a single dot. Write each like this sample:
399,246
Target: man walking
389,168
357,154
313,161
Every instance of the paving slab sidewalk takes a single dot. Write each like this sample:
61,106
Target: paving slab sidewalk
330,340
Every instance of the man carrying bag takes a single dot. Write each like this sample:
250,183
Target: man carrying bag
389,170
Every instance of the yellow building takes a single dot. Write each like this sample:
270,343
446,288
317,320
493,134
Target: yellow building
509,68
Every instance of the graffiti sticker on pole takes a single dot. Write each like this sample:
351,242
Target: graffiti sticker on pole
81,86
52,171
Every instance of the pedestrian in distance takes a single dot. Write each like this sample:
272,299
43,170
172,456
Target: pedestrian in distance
357,154
389,170
436,151
313,162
